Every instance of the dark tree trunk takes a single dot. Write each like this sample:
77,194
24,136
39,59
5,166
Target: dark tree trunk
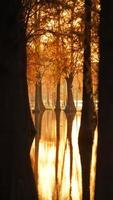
88,117
58,51
70,106
58,97
39,106
16,127
104,175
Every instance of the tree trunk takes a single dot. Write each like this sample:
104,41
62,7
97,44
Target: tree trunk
70,106
39,106
16,127
58,97
104,175
88,116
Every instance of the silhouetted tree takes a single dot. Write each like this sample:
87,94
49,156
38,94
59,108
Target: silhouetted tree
58,61
104,174
88,116
70,106
39,106
58,96
16,126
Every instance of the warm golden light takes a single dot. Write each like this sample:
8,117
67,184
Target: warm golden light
54,179
61,179
56,55
93,166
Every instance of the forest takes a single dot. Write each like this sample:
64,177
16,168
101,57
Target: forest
56,100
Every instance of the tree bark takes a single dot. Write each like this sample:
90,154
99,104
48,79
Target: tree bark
104,174
16,126
88,116
58,97
70,106
39,106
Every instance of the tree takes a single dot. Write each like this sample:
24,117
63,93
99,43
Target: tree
16,126
104,169
58,60
34,61
88,116
60,24
70,107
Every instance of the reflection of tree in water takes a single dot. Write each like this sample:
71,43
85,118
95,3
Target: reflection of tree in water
57,152
68,143
35,148
55,165
48,128
70,117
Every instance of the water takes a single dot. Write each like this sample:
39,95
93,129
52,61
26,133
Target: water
55,157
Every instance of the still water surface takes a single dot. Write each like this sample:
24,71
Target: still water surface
55,157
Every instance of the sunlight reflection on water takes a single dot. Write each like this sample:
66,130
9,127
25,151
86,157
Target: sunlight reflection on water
93,166
56,159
